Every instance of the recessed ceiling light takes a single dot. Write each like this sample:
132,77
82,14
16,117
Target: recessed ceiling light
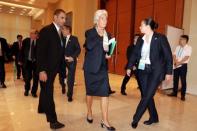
13,7
24,9
10,12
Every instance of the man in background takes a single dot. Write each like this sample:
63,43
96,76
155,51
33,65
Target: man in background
4,49
127,78
16,50
29,63
181,58
72,51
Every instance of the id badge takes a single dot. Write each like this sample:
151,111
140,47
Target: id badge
141,65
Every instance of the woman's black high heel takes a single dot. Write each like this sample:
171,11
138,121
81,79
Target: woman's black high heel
111,128
89,120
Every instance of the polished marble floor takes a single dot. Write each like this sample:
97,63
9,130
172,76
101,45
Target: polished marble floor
19,113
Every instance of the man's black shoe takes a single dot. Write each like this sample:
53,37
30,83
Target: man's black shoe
149,122
56,125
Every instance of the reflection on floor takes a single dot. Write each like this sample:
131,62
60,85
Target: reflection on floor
19,113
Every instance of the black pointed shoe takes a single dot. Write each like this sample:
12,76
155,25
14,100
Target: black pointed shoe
111,128
89,120
149,122
134,125
56,125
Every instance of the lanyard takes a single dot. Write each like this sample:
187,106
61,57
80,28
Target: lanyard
180,52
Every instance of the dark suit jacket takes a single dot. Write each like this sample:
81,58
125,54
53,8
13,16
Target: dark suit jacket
16,51
130,49
160,55
72,48
26,48
49,50
95,55
4,48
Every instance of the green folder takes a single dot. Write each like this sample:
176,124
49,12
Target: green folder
112,47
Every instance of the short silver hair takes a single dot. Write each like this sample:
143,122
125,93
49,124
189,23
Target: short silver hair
97,14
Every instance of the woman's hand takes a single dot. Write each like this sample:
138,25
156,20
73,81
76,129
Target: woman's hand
128,72
100,31
107,56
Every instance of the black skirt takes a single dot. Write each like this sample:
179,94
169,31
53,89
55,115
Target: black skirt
97,84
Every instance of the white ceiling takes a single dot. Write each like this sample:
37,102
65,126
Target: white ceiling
33,8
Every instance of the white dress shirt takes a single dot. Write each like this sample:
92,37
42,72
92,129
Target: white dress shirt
145,54
57,28
181,52
67,39
31,42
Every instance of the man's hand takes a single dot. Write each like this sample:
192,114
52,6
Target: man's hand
168,78
177,63
20,63
43,76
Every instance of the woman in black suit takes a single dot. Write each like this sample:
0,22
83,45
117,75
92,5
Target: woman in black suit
153,56
95,67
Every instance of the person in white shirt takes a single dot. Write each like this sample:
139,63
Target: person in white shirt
181,58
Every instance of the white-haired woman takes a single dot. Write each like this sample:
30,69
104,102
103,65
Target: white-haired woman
95,67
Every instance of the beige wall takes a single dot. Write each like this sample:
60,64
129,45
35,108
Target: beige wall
12,25
36,24
83,12
190,27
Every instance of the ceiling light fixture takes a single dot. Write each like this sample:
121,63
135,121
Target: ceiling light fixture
14,5
31,1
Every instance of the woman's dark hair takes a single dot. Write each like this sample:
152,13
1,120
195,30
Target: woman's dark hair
149,21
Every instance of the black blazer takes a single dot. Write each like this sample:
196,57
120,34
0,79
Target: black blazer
4,48
26,48
160,55
16,51
72,48
49,50
95,55
129,51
